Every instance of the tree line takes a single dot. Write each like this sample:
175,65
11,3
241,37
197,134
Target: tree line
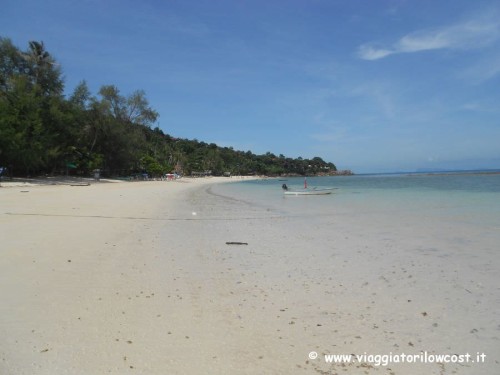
42,131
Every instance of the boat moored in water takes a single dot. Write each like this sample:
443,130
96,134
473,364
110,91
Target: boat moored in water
308,192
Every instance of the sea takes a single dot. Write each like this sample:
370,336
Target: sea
469,197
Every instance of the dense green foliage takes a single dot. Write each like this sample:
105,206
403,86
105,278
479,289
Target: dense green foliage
44,132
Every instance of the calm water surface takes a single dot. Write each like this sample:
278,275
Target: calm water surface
471,198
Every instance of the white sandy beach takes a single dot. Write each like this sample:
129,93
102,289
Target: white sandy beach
137,278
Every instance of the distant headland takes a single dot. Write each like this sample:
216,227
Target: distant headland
45,132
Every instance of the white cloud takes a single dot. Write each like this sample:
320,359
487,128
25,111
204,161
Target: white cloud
468,35
367,52
487,105
483,70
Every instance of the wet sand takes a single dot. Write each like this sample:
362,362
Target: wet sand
139,278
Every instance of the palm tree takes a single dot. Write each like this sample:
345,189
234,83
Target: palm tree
38,58
44,70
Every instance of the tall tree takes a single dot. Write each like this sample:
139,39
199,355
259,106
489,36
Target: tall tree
22,136
81,96
138,110
12,63
44,70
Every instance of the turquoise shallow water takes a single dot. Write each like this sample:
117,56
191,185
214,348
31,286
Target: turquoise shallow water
467,198
467,182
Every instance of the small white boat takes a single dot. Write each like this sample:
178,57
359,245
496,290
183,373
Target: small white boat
308,192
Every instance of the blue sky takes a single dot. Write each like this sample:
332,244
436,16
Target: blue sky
370,85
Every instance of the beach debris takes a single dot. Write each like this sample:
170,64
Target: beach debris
236,243
424,314
194,213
